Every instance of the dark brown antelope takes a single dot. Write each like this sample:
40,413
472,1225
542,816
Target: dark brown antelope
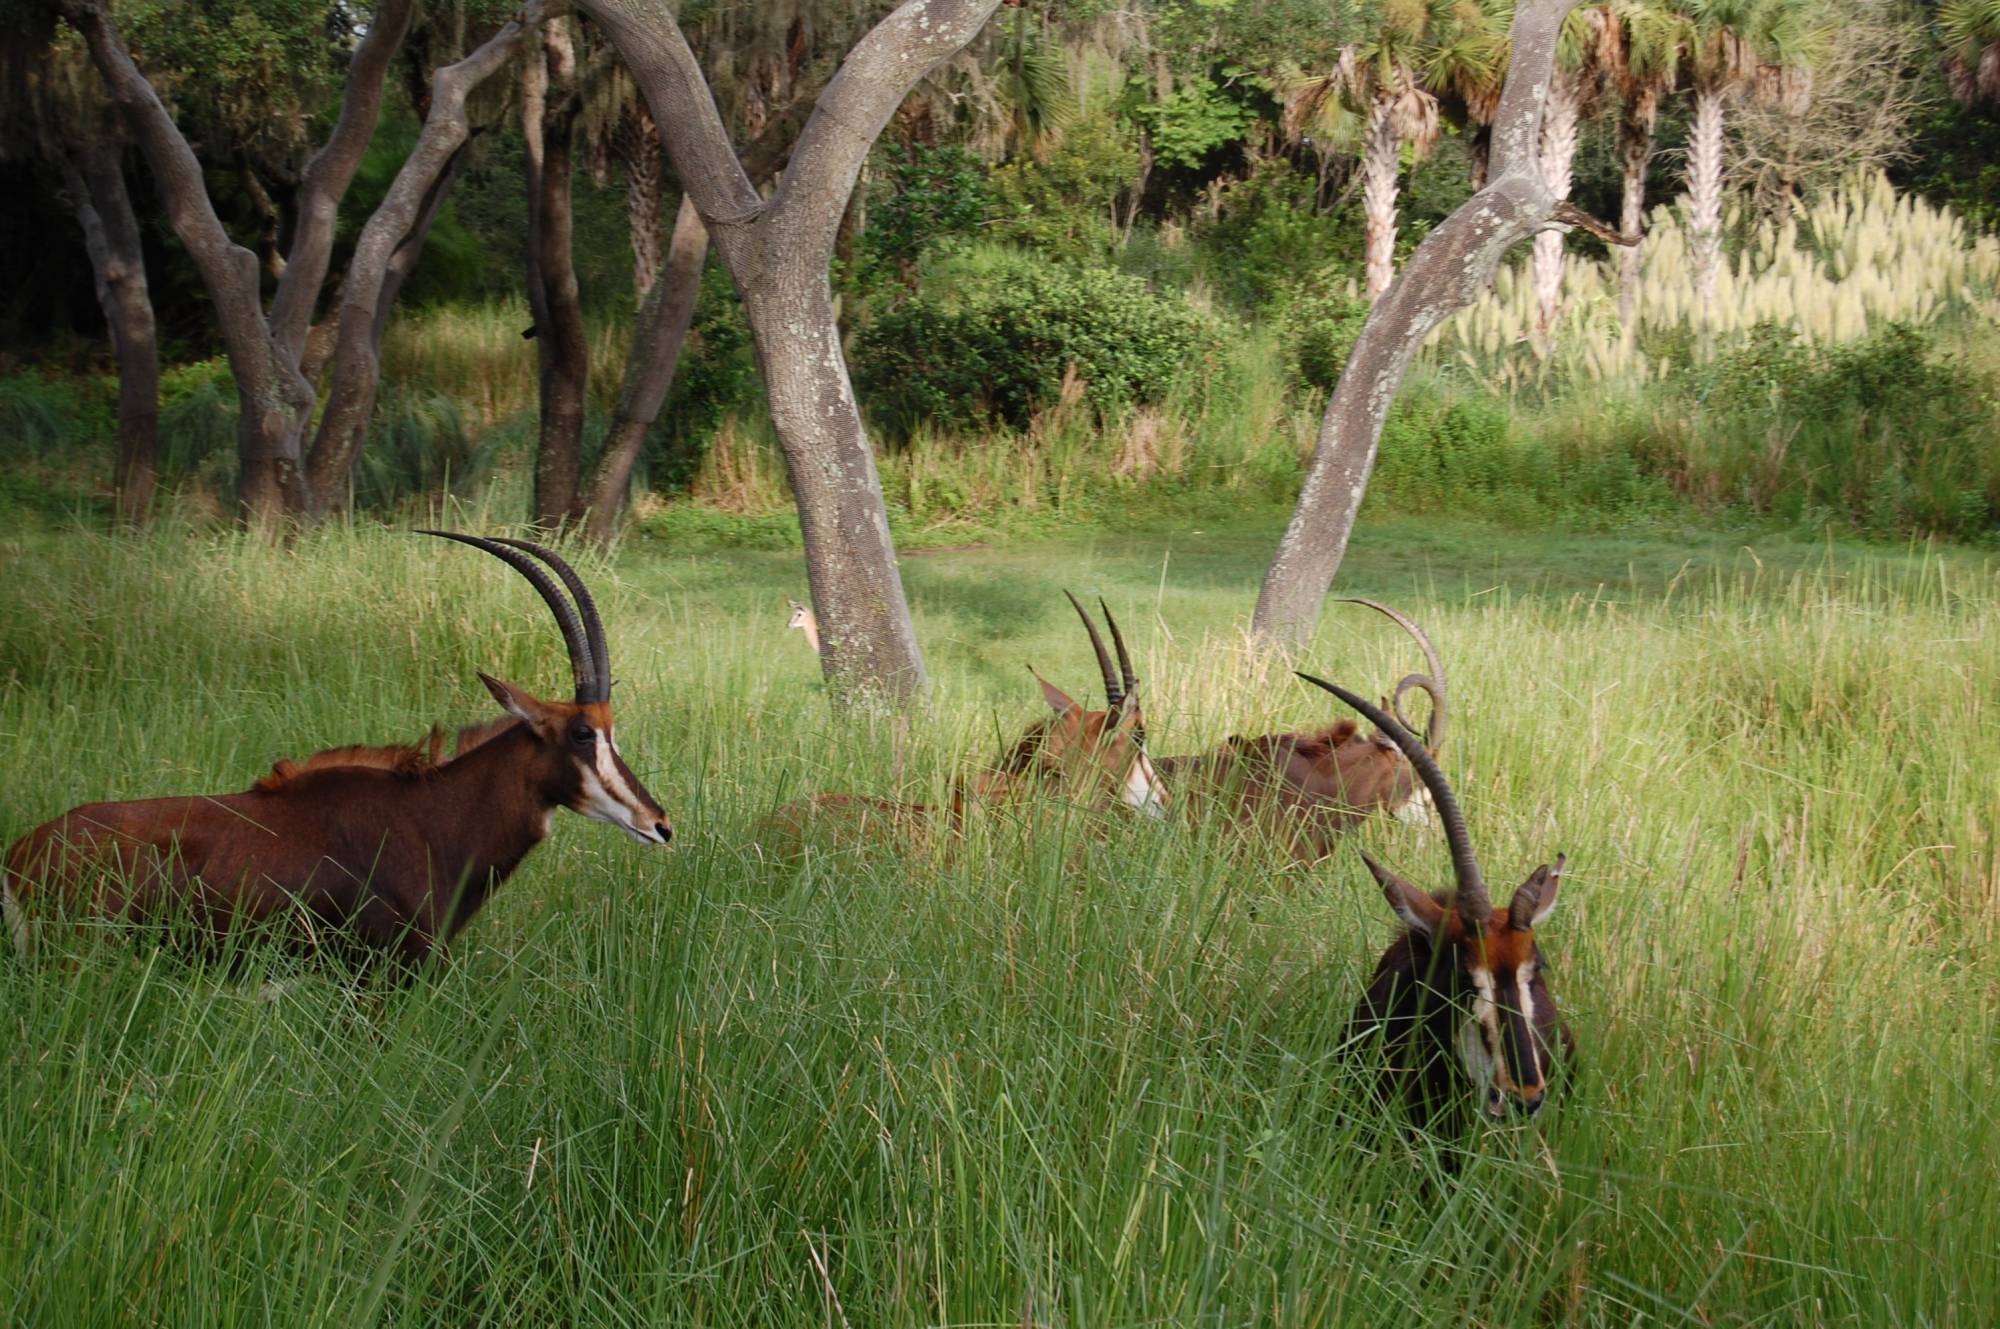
1307,788
1459,1003
385,851
1095,757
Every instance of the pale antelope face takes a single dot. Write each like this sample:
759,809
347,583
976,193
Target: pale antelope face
801,616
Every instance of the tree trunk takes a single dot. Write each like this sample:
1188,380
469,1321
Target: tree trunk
1558,154
649,370
850,559
1381,158
1705,191
563,346
95,180
778,252
1450,269
412,198
645,184
1635,141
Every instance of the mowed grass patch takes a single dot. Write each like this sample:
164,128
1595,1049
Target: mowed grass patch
1073,1070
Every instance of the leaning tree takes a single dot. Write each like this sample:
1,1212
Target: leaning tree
778,251
1454,264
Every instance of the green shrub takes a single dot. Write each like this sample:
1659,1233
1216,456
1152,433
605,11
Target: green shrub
1269,241
717,377
1063,205
40,417
932,194
1000,350
418,446
1881,433
1321,328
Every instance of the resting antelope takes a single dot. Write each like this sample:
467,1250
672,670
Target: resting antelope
1096,756
1459,1003
1310,787
389,849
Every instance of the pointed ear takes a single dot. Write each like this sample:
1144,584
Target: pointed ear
516,702
1419,912
1059,701
1535,899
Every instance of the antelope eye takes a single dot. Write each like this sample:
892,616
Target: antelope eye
582,735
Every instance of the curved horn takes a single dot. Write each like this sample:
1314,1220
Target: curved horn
1111,688
1126,677
1440,717
581,662
1471,899
593,626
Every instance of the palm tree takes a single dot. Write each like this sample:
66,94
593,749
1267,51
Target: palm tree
1378,87
1729,44
1581,59
1971,31
1465,67
1642,54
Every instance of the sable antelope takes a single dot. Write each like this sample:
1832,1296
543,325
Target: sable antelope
803,619
1310,787
391,850
1459,1001
1095,755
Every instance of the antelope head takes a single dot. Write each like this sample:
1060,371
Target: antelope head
1463,975
1099,748
576,762
803,619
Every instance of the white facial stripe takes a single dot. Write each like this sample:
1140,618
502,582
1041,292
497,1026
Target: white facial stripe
1416,809
1524,977
607,797
1142,788
1479,1039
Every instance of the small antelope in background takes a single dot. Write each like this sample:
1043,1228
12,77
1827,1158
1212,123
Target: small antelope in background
1459,1003
1098,757
803,619
1310,787
389,851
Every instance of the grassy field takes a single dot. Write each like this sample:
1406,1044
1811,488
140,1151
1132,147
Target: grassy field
1083,1072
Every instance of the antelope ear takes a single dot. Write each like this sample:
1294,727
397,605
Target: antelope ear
1059,701
1419,912
1535,899
516,702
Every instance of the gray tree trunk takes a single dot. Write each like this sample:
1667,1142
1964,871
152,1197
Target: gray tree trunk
778,252
655,355
95,180
1453,265
412,198
645,188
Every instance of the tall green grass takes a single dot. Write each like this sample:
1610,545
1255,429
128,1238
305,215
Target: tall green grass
1080,1071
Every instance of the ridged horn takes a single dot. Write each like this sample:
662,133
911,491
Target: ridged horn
582,664
1473,905
1112,691
586,608
1127,679
1433,684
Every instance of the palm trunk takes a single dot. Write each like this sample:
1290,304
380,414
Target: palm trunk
1381,157
649,370
639,147
96,184
563,345
1635,139
1705,191
1558,154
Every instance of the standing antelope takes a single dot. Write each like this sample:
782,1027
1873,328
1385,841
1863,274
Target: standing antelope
1098,757
1310,787
1458,1001
390,849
